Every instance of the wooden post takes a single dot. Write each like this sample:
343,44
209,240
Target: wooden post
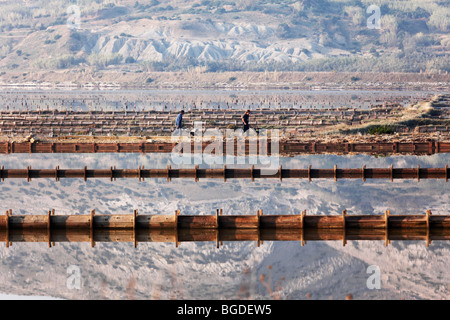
386,226
135,213
49,228
53,213
168,173
258,217
7,228
217,219
224,173
335,172
344,213
217,229
91,226
221,212
428,214
309,173
344,240
177,213
261,213
302,220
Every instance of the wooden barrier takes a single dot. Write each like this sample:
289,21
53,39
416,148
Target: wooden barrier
205,222
234,148
229,228
228,173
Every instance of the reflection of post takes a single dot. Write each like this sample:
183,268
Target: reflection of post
182,150
270,159
229,145
213,152
386,219
344,239
7,228
198,142
91,225
135,214
240,152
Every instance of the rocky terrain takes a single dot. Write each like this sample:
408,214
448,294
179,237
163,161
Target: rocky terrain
131,42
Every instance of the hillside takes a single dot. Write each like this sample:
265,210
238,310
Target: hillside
138,37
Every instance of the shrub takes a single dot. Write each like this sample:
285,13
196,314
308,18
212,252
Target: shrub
102,61
380,130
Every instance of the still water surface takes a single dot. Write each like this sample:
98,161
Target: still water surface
319,270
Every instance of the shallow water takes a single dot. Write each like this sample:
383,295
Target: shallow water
161,100
323,270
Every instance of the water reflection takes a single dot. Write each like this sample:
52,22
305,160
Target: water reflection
238,269
219,237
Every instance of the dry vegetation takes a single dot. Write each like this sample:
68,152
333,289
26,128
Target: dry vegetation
112,45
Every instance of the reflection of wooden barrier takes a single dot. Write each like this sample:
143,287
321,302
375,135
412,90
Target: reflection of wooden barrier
178,228
234,148
229,173
259,221
220,235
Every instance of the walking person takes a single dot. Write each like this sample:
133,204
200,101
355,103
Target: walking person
179,120
245,120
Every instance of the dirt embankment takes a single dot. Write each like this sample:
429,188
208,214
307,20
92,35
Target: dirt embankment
197,78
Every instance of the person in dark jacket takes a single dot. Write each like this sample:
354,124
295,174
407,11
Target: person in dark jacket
245,120
179,120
